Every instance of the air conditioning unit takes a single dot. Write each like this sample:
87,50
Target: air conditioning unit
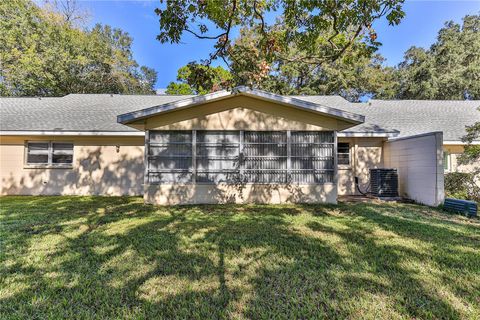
384,183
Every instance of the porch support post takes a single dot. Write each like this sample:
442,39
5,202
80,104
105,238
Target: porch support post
146,159
194,156
335,159
289,156
240,155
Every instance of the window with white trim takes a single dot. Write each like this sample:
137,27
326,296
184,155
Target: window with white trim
49,153
343,152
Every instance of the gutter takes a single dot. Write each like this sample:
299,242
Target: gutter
142,133
71,133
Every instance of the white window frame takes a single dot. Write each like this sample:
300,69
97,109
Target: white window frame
50,163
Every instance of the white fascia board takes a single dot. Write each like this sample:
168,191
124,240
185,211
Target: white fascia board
189,102
72,133
459,142
416,136
367,134
142,133
337,113
184,103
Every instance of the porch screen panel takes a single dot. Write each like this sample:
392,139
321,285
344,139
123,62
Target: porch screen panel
218,156
265,157
303,157
312,156
170,157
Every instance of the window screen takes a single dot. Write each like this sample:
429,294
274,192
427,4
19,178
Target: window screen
265,157
50,153
343,151
218,156
170,156
62,153
37,152
240,156
312,158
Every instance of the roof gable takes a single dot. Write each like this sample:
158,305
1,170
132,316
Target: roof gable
240,112
318,109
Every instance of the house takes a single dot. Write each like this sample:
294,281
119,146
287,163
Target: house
243,145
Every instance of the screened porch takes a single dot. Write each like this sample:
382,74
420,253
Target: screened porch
240,157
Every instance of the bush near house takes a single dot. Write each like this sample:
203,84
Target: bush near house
463,185
116,258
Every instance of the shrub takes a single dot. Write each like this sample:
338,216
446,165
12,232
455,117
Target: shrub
463,185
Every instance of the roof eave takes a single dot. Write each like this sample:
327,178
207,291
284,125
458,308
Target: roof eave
179,104
302,104
69,133
371,134
190,102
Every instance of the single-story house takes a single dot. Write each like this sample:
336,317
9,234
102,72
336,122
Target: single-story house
243,145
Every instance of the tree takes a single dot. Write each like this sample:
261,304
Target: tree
195,78
472,151
333,25
358,72
70,10
42,54
179,88
449,69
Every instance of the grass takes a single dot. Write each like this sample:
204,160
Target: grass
95,257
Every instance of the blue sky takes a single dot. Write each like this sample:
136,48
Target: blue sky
423,20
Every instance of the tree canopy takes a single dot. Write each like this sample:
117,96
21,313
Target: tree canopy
196,78
333,26
43,53
358,72
449,69
472,151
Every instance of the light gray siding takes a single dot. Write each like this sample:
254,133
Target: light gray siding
419,160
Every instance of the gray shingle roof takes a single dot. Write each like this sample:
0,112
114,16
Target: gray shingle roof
412,117
98,112
74,112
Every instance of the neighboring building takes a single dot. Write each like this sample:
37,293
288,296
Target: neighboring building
240,146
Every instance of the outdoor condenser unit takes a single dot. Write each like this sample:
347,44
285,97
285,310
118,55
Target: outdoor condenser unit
384,183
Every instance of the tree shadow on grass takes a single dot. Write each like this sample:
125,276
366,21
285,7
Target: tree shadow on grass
117,258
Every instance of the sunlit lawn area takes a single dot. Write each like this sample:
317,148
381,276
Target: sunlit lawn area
95,257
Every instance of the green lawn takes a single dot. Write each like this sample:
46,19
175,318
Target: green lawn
95,257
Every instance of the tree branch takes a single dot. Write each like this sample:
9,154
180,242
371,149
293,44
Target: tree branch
259,16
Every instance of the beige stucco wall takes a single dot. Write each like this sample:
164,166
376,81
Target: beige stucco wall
242,113
365,154
97,167
454,151
245,193
419,160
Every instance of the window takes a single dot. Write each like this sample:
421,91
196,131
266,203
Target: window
446,164
49,153
170,156
218,156
343,152
265,157
312,157
240,157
